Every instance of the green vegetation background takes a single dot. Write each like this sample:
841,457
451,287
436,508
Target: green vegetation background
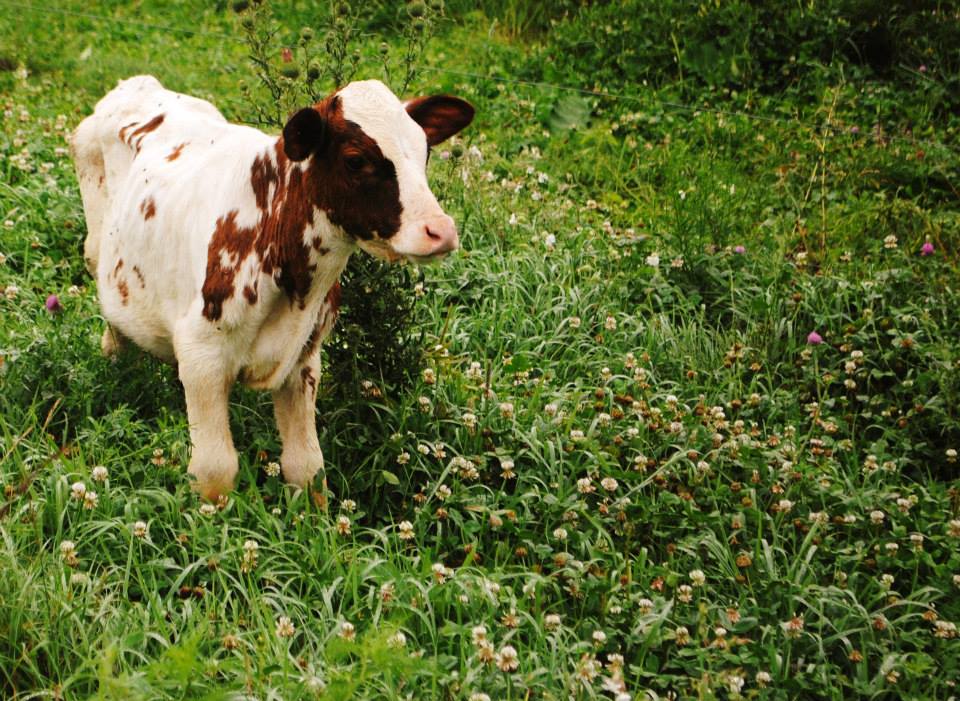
616,399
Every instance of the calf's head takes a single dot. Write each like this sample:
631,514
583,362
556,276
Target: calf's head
369,154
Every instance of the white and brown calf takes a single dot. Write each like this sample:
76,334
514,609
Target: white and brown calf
219,247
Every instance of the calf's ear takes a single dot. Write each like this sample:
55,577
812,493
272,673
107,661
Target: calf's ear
304,133
441,116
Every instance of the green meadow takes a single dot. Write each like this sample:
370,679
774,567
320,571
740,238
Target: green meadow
680,420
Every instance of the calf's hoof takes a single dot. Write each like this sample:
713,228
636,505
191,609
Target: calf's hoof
213,481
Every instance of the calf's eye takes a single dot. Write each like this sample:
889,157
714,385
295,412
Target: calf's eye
355,163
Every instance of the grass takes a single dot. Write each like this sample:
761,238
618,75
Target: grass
627,461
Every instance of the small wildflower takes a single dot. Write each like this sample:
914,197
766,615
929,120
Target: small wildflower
653,260
574,322
577,436
347,631
158,458
552,620
739,250
794,627
610,323
397,640
945,630
926,249
99,474
585,485
139,529
877,516
430,376
814,339
440,572
953,528
272,469
285,627
506,410
609,483
890,242
469,420
77,490
53,304
443,492
599,637
507,659
645,606
560,533
207,509
506,469
698,578
403,458
90,499
763,679
343,525
682,636
685,593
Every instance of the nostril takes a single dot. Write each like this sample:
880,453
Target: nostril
432,235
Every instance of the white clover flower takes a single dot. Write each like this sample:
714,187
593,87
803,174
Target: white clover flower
763,679
285,627
645,606
577,436
443,492
77,490
506,410
507,659
440,572
404,457
90,499
609,483
794,627
347,631
698,578
682,635
343,525
139,529
877,516
348,505
560,533
552,620
585,485
610,323
68,548
469,420
99,474
208,510
550,409
574,322
653,260
272,469
599,637
685,593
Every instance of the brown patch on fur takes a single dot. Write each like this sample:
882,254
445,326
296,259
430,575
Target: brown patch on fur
135,138
124,291
139,274
325,321
366,202
250,293
235,243
307,380
175,154
117,267
123,131
148,208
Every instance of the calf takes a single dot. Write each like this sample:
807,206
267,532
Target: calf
219,247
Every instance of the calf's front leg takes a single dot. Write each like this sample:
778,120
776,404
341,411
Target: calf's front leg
294,404
206,384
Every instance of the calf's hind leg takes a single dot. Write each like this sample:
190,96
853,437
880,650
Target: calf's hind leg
294,405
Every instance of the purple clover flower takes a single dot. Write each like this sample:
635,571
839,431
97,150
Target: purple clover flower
814,339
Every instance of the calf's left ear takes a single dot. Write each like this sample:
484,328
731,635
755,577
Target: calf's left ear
304,133
441,116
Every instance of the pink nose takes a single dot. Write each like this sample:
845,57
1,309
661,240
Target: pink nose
441,235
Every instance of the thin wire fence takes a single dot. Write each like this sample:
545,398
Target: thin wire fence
824,128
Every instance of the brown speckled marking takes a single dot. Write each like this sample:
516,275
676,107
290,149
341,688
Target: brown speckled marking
124,291
135,139
175,154
148,208
307,381
140,279
117,267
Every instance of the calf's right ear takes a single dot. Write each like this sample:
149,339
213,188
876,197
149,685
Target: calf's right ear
304,133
